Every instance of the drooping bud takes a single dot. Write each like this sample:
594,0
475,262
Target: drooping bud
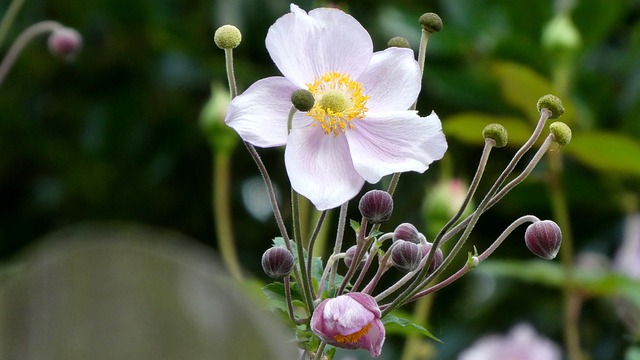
406,255
303,100
227,37
376,206
431,22
277,262
543,238
438,257
553,103
561,132
398,41
407,232
350,255
65,42
496,132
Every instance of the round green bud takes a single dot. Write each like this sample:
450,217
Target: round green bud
553,103
398,41
561,35
496,132
227,37
431,22
561,132
302,100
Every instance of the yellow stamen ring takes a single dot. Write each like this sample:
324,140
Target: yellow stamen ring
351,338
339,100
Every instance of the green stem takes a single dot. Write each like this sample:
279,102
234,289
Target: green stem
305,281
231,77
9,17
222,213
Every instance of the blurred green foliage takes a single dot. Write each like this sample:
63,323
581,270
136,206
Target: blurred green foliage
115,134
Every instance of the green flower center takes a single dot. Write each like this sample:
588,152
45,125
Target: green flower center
334,100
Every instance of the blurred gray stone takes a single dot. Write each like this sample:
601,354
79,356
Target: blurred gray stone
130,292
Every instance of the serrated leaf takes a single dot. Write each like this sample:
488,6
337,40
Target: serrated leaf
606,152
467,127
403,326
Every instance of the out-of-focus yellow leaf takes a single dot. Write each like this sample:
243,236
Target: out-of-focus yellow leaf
606,152
522,87
467,127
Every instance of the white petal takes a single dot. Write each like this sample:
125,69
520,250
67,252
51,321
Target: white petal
399,141
259,115
306,46
392,81
319,167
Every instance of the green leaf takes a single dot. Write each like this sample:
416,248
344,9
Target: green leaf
522,87
355,225
467,127
403,326
606,152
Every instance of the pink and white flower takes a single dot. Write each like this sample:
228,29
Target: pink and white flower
350,321
359,129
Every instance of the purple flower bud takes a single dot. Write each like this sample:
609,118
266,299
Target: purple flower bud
350,321
277,262
438,257
543,238
350,254
407,232
65,43
376,206
406,255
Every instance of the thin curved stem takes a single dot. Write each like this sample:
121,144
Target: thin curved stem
305,281
9,16
233,89
22,40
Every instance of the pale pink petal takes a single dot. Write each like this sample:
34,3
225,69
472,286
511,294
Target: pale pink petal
306,46
367,301
346,316
392,81
374,339
259,115
318,321
397,141
319,167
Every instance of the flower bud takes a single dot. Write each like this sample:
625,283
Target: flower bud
277,262
350,254
496,132
431,22
438,257
406,255
65,43
561,36
553,103
303,100
407,232
398,41
561,132
543,238
376,206
227,37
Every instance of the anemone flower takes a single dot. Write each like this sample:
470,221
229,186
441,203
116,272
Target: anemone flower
359,129
350,321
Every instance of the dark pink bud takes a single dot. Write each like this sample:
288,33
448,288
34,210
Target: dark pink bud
350,254
406,255
543,238
277,262
65,43
438,257
407,232
376,206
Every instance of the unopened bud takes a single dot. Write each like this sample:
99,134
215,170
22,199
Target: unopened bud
398,41
561,132
431,22
65,42
561,36
376,206
407,232
303,100
496,132
543,238
227,37
553,103
406,255
350,255
277,262
438,257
